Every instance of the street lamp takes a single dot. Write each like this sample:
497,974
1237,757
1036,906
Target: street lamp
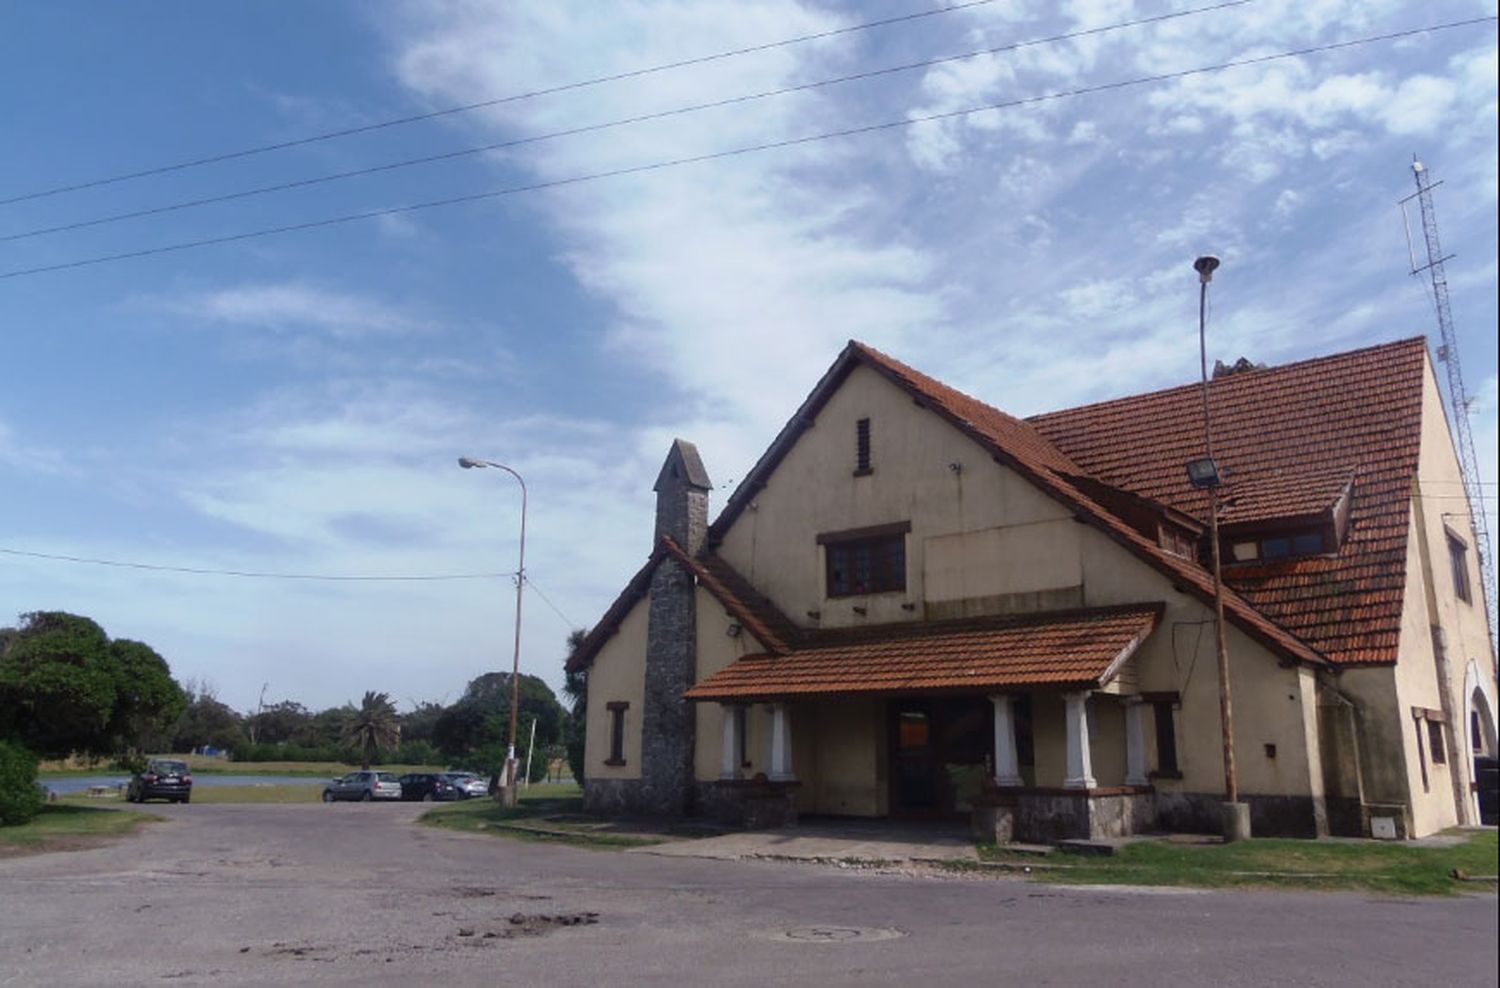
508,790
1204,473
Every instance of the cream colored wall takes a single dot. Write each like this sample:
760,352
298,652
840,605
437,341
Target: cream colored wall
1432,599
1180,656
837,753
618,673
813,490
716,650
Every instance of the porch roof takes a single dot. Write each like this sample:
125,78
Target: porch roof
1080,649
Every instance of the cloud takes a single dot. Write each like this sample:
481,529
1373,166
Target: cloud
295,307
26,456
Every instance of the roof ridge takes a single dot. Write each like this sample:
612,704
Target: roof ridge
1259,373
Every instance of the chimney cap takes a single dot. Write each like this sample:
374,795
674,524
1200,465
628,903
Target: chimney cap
683,468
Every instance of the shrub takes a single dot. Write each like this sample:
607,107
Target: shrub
20,797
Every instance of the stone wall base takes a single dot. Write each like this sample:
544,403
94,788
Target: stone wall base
1270,816
751,804
1045,817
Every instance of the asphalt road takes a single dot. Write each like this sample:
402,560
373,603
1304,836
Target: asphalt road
344,893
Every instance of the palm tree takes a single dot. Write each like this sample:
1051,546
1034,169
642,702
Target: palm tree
373,726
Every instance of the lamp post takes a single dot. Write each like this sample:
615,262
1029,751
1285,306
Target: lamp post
508,791
1204,473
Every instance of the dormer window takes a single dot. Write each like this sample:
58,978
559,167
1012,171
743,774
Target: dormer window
1279,545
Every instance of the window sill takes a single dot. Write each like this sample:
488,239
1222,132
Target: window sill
867,471
614,762
1168,773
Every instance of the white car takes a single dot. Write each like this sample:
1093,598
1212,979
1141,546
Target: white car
470,784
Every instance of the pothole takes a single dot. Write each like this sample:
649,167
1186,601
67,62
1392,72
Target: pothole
836,934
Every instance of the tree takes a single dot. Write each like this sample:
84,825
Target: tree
65,687
373,727
576,689
278,722
474,732
205,721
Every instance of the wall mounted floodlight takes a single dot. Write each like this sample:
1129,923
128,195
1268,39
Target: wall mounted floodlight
1203,473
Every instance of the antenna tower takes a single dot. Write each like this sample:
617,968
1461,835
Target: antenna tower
1447,352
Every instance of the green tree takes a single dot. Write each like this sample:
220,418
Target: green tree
277,723
206,722
576,689
475,730
373,727
65,687
20,797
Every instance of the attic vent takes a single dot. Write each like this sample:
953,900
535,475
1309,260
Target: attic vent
862,447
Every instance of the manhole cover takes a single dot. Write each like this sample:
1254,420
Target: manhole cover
837,934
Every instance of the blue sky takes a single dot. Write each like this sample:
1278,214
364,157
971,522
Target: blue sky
296,403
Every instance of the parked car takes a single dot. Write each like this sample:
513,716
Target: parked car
469,783
426,787
164,778
363,786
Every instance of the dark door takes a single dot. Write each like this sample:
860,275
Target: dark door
937,745
915,785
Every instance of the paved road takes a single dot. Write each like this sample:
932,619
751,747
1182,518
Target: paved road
245,894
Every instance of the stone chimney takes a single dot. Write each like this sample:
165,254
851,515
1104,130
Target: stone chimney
682,497
668,722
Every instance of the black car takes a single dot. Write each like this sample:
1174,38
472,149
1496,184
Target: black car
428,786
164,778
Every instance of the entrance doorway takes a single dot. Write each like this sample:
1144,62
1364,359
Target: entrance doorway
938,748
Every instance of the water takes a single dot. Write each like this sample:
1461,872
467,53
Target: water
66,784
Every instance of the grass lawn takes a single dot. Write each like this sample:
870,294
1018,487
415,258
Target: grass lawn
1395,868
543,813
61,826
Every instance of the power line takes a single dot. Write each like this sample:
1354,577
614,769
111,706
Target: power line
733,152
612,124
497,101
204,571
548,601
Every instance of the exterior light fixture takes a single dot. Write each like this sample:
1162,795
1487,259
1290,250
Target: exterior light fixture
733,631
1203,472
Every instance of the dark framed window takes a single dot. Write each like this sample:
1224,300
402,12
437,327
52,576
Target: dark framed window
742,734
1435,743
862,448
876,564
1166,737
1458,558
616,732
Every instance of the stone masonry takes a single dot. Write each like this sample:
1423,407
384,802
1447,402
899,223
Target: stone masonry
668,721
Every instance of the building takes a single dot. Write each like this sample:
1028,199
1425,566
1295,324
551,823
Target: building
916,603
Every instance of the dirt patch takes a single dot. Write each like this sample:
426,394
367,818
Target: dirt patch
55,844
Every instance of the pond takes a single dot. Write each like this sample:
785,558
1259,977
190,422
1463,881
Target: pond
65,784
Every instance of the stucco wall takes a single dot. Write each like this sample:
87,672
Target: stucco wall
814,490
618,674
716,650
838,748
1432,600
1181,657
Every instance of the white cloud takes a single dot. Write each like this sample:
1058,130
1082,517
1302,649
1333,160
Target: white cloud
27,456
293,307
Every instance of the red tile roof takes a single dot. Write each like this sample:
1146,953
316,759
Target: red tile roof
1080,649
752,610
1286,435
1030,452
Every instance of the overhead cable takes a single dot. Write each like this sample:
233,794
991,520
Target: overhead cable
205,571
497,101
750,149
612,124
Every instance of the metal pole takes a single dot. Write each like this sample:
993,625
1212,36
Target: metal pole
530,748
515,668
1226,708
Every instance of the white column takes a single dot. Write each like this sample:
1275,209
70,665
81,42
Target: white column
1007,768
781,745
1080,762
731,757
1135,742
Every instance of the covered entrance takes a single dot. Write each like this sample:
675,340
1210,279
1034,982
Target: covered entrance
940,752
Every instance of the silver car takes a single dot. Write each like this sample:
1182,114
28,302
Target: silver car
363,786
470,784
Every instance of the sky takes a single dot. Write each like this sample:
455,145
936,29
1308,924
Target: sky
295,403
